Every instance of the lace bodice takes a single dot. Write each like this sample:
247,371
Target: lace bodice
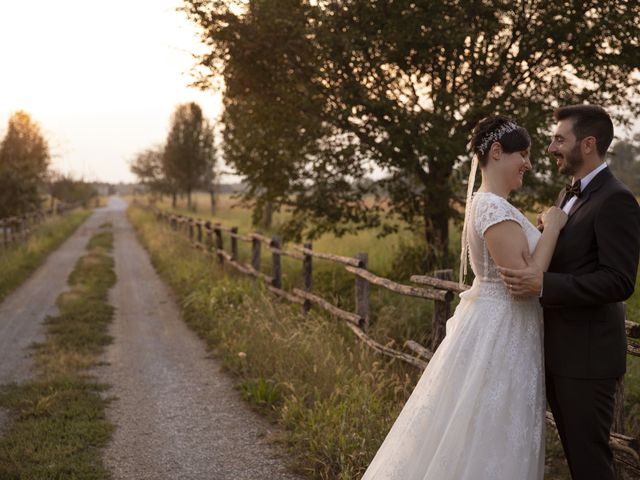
488,209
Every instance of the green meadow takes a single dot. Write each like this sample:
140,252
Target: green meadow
333,396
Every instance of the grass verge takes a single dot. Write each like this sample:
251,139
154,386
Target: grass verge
242,323
57,422
18,262
334,396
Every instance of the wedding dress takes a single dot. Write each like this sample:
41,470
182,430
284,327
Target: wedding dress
477,412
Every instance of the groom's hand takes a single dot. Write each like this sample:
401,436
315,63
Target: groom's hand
523,282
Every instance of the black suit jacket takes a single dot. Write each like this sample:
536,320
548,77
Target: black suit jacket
593,270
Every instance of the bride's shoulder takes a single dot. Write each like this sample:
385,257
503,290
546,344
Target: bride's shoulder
488,199
489,209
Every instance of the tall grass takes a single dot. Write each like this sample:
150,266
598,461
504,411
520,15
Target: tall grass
19,261
394,318
335,397
57,421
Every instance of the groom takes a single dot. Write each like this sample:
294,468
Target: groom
593,270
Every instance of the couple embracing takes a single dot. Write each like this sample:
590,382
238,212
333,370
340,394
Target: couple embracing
543,318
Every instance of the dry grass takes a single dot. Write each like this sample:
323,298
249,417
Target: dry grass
334,396
395,318
57,422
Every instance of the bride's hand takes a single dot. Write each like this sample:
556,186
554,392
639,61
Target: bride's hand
554,218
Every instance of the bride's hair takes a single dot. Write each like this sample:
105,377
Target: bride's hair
514,140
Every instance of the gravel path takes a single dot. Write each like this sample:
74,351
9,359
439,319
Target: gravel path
23,310
177,414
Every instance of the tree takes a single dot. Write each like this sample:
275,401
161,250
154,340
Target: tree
148,166
271,116
404,82
624,162
24,158
66,189
410,83
189,151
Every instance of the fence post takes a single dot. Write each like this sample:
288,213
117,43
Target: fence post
207,227
441,312
219,243
362,293
307,271
190,226
255,253
277,267
234,244
199,231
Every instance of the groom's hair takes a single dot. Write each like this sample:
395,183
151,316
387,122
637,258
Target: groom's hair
589,121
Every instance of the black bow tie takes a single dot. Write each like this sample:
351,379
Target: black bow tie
573,190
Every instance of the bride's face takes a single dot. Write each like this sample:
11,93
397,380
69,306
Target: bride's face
513,166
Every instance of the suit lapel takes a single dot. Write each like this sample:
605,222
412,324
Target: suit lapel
560,199
599,180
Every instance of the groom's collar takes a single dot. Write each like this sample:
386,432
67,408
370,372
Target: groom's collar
584,181
601,176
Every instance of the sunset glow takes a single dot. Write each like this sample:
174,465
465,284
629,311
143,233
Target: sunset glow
101,78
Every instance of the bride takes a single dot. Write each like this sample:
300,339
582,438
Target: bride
477,412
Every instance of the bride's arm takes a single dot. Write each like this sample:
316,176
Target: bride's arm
508,245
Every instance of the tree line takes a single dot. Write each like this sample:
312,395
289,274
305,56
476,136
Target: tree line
356,113
185,162
26,177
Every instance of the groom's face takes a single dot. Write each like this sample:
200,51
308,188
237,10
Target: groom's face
565,148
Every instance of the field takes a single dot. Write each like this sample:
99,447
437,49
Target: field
279,382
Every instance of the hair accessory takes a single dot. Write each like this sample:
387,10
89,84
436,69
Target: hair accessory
495,136
464,250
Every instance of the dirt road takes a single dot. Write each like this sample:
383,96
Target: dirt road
177,415
22,312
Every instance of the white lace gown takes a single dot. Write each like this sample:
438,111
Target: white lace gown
477,412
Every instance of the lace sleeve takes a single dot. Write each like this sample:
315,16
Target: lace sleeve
492,209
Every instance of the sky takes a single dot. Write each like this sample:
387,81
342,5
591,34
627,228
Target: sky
100,78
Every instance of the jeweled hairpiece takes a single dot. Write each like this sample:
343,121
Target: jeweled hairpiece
495,136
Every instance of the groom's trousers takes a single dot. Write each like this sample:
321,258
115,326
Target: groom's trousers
583,411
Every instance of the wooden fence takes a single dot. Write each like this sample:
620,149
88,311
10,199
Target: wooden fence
16,229
439,288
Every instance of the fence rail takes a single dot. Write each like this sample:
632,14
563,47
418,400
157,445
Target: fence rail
440,288
16,229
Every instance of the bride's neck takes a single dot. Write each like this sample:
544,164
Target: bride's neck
494,186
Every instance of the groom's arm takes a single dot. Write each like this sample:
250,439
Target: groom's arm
617,231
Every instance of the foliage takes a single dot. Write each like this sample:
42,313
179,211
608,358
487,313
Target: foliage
402,84
68,190
148,165
24,158
20,261
624,161
189,150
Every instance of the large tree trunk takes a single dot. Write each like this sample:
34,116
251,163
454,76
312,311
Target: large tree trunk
436,221
189,204
437,237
